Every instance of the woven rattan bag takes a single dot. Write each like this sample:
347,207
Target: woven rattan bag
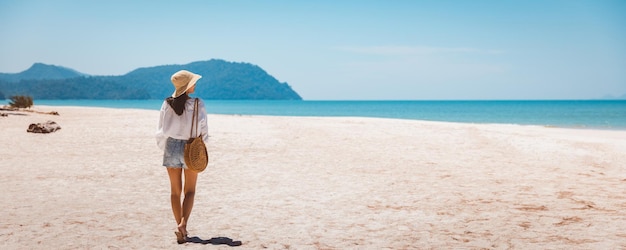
196,156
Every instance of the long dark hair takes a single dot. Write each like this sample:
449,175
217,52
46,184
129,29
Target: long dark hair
178,103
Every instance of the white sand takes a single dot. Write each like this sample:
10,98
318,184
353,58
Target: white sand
313,183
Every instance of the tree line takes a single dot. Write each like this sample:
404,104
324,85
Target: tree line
221,80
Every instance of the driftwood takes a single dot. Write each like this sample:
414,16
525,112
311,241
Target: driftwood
7,108
40,112
44,128
7,114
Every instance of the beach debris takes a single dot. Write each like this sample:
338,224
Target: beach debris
12,113
40,112
44,128
8,108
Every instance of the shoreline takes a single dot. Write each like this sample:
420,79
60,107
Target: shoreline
51,109
579,114
313,182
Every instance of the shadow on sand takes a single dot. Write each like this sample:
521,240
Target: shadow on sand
215,241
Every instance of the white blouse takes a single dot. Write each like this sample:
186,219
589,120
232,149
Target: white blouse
179,126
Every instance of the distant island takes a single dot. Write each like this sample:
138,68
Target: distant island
221,80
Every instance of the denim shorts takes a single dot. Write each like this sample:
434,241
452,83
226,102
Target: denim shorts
173,154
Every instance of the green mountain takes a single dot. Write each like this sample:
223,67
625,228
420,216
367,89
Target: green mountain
72,88
41,71
221,80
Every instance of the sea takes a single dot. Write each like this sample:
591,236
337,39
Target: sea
594,114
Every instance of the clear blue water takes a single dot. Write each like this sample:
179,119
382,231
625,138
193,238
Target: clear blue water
603,114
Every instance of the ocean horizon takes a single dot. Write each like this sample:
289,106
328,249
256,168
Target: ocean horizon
595,114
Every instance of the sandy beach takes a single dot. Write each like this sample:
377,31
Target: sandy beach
313,183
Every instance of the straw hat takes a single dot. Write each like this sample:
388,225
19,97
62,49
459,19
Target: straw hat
183,80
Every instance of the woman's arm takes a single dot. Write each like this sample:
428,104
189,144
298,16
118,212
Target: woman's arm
204,128
160,136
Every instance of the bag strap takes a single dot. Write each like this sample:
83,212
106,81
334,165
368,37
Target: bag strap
194,119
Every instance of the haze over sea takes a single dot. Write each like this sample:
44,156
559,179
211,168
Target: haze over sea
597,114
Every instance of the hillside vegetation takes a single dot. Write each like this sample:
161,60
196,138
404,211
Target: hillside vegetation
221,80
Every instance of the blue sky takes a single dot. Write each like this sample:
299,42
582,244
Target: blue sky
334,50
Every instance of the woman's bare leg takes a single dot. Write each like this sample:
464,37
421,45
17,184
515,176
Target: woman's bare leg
176,183
190,191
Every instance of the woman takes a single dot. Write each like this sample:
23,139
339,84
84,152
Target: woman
172,134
